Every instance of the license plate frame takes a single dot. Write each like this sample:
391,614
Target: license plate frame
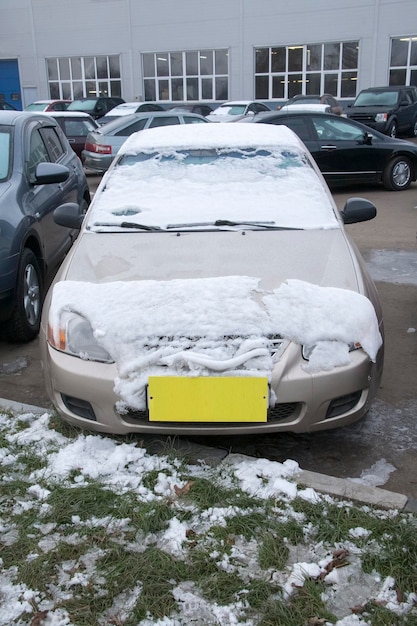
209,399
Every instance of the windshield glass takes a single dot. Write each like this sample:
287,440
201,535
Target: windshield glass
199,187
5,152
37,106
81,105
376,98
229,109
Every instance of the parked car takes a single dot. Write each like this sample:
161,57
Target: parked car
38,172
102,145
96,107
128,108
391,110
234,111
349,152
76,126
48,105
335,106
213,289
5,106
200,108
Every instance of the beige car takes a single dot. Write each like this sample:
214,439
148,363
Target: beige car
213,289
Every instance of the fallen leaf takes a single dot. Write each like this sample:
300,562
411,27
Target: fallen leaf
38,619
181,491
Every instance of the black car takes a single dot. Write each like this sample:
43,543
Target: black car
38,172
96,107
349,152
391,110
76,126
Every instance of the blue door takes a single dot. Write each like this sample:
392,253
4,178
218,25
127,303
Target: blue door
10,83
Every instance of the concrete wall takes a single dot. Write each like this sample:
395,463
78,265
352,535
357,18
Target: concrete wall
31,30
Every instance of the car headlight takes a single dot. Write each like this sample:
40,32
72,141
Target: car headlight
381,117
75,336
306,351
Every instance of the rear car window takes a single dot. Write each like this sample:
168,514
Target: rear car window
53,143
5,153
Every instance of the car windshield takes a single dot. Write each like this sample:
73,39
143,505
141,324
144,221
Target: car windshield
37,106
5,152
230,109
376,98
81,105
213,189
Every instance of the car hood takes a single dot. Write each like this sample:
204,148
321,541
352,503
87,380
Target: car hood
372,109
271,256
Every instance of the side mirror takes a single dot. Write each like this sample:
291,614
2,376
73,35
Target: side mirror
69,215
47,173
358,210
250,113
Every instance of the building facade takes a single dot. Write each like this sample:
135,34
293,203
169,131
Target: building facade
176,50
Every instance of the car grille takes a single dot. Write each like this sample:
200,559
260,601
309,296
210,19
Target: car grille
363,118
277,413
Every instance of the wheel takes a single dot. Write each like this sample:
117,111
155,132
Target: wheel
392,130
397,174
24,322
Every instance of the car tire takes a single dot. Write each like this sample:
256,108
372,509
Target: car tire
392,130
398,174
24,322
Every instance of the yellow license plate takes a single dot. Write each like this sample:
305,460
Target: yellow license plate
207,399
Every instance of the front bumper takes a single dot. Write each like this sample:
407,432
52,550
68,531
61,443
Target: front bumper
82,392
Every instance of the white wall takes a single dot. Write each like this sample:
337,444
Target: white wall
31,30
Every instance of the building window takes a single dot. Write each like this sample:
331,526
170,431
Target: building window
192,75
285,71
403,64
70,78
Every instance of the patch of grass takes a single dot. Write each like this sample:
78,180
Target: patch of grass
395,554
272,552
304,605
83,501
207,494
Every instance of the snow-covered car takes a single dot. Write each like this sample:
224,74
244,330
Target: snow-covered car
236,110
213,289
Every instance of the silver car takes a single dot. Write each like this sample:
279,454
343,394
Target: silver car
102,145
213,289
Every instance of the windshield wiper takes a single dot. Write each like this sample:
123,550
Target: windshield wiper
139,226
256,224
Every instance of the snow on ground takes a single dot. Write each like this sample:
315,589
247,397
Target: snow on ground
122,467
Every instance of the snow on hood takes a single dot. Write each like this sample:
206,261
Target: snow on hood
178,327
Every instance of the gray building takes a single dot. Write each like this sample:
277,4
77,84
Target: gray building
215,50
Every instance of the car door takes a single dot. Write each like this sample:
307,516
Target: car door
301,126
39,201
344,151
406,111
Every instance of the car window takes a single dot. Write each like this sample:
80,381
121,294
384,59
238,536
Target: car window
38,153
5,153
336,129
78,128
192,120
164,121
298,124
131,128
53,143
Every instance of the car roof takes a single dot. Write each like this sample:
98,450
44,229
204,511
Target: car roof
11,118
390,88
68,114
49,101
122,120
209,135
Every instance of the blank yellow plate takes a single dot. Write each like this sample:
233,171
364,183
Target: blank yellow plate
207,399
